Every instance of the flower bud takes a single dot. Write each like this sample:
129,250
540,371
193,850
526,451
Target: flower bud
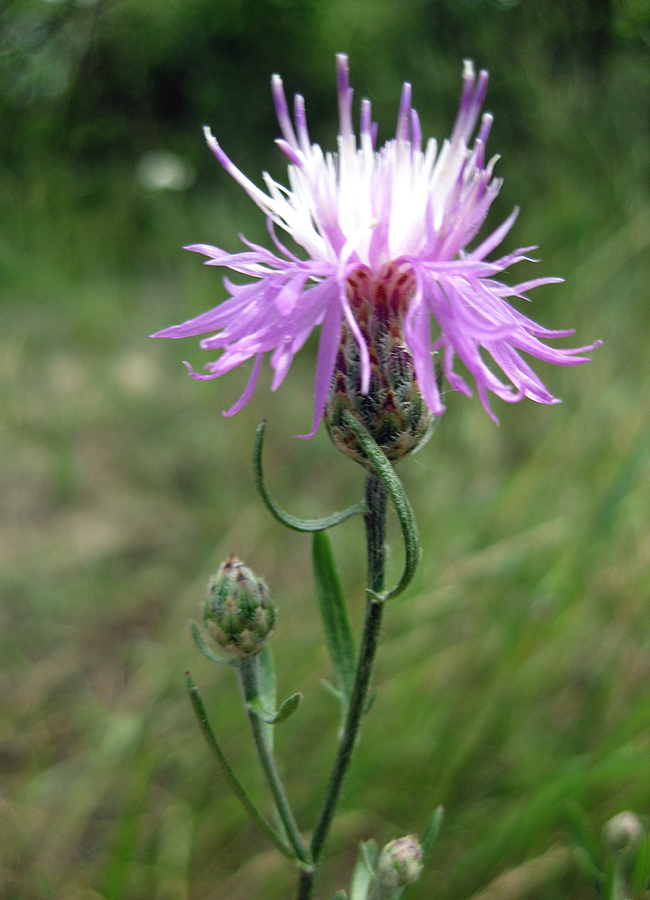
393,410
623,833
239,613
399,865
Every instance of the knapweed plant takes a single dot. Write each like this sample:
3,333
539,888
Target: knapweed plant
386,270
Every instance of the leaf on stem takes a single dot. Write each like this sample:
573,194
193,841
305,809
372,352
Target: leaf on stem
370,701
289,706
199,709
379,462
364,870
432,831
338,632
286,518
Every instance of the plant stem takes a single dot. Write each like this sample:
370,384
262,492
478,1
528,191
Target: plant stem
248,670
375,519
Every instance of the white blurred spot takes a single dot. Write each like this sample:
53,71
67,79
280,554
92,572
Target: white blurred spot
162,170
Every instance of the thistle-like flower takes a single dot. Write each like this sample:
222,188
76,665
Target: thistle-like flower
398,219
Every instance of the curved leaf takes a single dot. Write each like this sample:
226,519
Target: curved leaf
278,513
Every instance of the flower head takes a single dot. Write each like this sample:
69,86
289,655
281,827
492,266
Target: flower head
399,864
238,612
365,214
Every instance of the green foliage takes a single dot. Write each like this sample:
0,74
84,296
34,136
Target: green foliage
333,610
364,870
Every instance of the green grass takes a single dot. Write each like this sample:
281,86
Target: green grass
512,678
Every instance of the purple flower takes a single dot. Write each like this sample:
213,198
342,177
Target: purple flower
403,207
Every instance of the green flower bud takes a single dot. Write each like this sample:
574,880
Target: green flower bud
623,833
239,613
399,865
394,410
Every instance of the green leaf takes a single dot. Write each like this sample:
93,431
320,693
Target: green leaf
338,632
403,508
289,706
369,702
370,852
267,688
284,517
199,709
340,895
584,833
641,867
432,831
364,870
206,651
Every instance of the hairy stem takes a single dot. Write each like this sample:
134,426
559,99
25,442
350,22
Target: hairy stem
249,670
375,519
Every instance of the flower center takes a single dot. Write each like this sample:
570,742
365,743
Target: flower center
380,302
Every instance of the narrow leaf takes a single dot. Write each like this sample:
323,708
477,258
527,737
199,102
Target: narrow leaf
379,462
202,717
369,702
584,833
641,867
432,831
370,852
284,517
364,870
206,651
289,706
338,632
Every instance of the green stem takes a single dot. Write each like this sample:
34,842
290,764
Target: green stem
249,672
375,520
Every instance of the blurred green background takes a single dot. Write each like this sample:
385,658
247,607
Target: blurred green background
513,677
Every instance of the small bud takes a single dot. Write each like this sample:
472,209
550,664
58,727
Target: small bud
623,833
399,865
239,613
